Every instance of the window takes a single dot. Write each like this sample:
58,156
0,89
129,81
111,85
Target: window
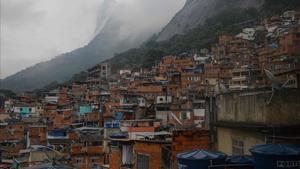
297,42
78,160
237,147
185,115
142,161
93,160
202,105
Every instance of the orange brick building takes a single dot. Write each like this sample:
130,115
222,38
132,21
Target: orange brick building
290,44
184,140
38,135
148,153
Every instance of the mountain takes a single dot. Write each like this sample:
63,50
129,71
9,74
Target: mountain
197,25
120,26
202,35
64,66
196,12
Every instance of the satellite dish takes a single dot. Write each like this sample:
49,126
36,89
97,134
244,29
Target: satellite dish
275,82
223,88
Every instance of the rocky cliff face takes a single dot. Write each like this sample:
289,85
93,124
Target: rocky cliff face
195,12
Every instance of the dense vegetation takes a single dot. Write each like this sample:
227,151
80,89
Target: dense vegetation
5,94
79,77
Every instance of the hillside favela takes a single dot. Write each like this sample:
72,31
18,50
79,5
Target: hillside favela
150,84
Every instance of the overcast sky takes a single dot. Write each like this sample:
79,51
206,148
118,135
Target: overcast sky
38,30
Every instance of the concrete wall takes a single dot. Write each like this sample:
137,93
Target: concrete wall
252,107
226,135
284,108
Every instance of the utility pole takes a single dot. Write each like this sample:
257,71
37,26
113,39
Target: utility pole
0,51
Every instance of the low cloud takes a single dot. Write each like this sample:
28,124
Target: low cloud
37,30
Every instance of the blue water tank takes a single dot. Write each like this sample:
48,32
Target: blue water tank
240,162
200,159
276,156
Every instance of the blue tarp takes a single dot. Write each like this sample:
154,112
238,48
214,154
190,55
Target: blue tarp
119,135
198,69
201,155
239,160
57,133
276,149
112,124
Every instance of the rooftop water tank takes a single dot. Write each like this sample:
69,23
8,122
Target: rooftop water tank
200,159
240,162
276,156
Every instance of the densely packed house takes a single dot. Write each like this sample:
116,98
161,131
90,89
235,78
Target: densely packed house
242,92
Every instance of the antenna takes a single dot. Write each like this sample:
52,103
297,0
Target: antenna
275,83
176,119
287,82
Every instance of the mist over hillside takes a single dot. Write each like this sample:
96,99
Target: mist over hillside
121,25
195,13
123,36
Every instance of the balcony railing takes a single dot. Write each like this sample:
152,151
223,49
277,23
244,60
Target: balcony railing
90,150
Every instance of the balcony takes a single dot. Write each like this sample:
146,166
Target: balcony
76,150
90,150
94,150
239,78
238,87
112,124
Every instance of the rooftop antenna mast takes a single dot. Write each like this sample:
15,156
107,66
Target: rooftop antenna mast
274,83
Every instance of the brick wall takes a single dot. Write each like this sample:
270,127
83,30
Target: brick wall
153,150
115,158
12,132
290,44
185,140
38,135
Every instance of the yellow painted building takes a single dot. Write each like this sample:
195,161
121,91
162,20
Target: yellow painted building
229,140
